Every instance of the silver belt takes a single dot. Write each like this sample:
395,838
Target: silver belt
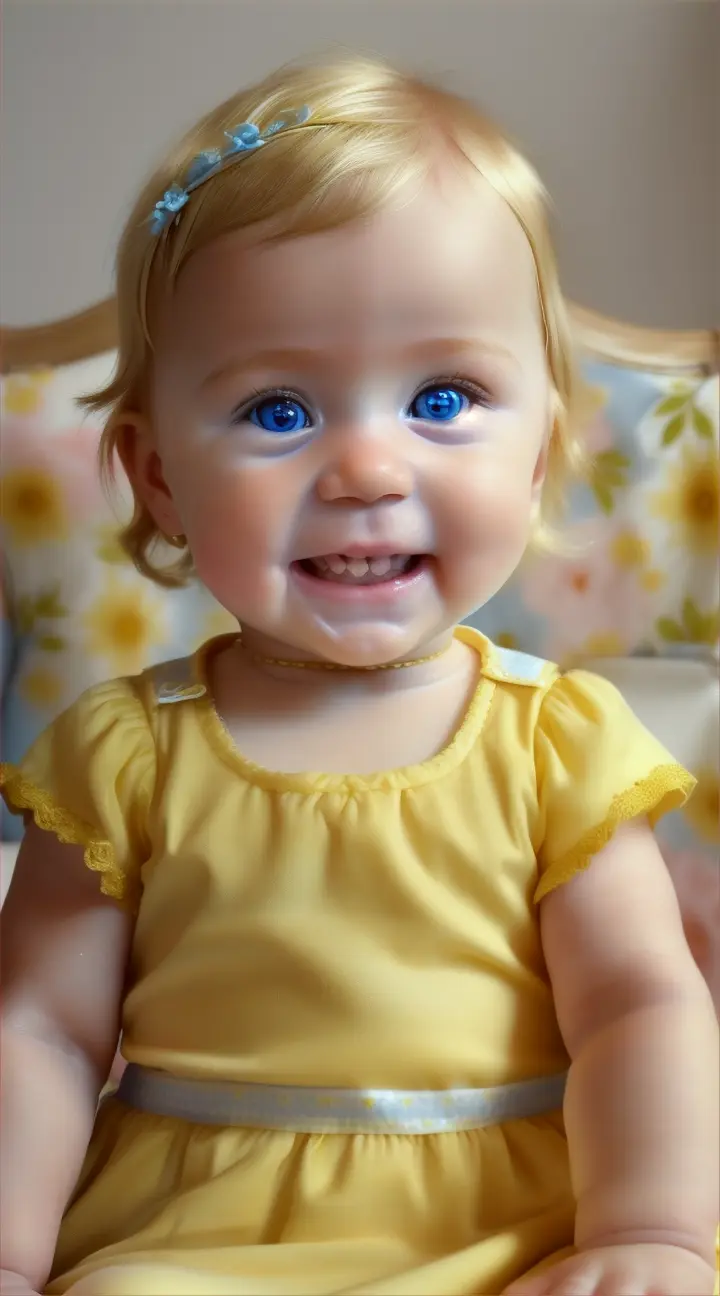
303,1110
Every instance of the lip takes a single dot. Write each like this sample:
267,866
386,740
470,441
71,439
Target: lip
382,592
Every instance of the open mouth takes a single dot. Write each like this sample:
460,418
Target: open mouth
343,570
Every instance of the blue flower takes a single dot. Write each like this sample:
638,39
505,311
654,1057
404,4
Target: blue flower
171,202
173,199
202,165
274,127
294,119
243,137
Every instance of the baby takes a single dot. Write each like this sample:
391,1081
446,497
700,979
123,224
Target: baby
400,974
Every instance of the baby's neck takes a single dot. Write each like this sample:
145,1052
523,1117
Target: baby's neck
295,720
267,660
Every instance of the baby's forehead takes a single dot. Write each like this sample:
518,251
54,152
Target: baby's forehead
451,257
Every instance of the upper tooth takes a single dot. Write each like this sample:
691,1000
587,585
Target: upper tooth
339,564
380,566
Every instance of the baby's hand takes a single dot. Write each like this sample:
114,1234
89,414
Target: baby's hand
642,1269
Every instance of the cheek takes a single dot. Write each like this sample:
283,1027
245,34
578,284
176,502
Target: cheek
487,518
492,500
228,514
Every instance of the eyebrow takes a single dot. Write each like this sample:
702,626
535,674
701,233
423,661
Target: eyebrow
305,358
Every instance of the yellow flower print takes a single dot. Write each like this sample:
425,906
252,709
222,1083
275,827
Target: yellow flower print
652,580
32,506
109,550
691,502
124,623
42,688
25,393
703,808
628,549
607,644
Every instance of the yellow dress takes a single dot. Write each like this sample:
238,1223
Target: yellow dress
316,930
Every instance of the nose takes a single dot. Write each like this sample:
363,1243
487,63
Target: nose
365,468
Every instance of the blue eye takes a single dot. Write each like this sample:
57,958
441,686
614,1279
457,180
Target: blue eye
439,404
279,414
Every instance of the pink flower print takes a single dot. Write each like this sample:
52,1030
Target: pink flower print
593,607
697,881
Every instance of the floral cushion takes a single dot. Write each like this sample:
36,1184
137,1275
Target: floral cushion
76,610
639,573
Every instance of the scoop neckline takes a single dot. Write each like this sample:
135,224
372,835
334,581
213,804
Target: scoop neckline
405,776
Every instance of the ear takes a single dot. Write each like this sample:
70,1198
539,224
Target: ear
141,461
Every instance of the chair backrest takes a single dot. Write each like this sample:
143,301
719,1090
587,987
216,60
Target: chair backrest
94,331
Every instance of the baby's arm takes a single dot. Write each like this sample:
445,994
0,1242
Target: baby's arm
64,953
642,1100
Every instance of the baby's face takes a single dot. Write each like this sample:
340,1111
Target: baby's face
352,425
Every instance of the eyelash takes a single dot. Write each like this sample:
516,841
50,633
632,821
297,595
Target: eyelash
474,391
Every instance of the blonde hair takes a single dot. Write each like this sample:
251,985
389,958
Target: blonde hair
373,129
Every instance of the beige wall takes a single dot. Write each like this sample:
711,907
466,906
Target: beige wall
617,102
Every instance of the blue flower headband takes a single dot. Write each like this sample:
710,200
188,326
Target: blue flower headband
243,139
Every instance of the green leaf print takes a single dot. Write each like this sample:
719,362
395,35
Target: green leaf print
609,473
669,630
681,404
673,428
702,424
45,606
712,627
48,604
692,620
604,497
671,404
51,643
25,615
696,627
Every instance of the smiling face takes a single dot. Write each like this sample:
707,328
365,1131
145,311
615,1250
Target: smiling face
350,427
